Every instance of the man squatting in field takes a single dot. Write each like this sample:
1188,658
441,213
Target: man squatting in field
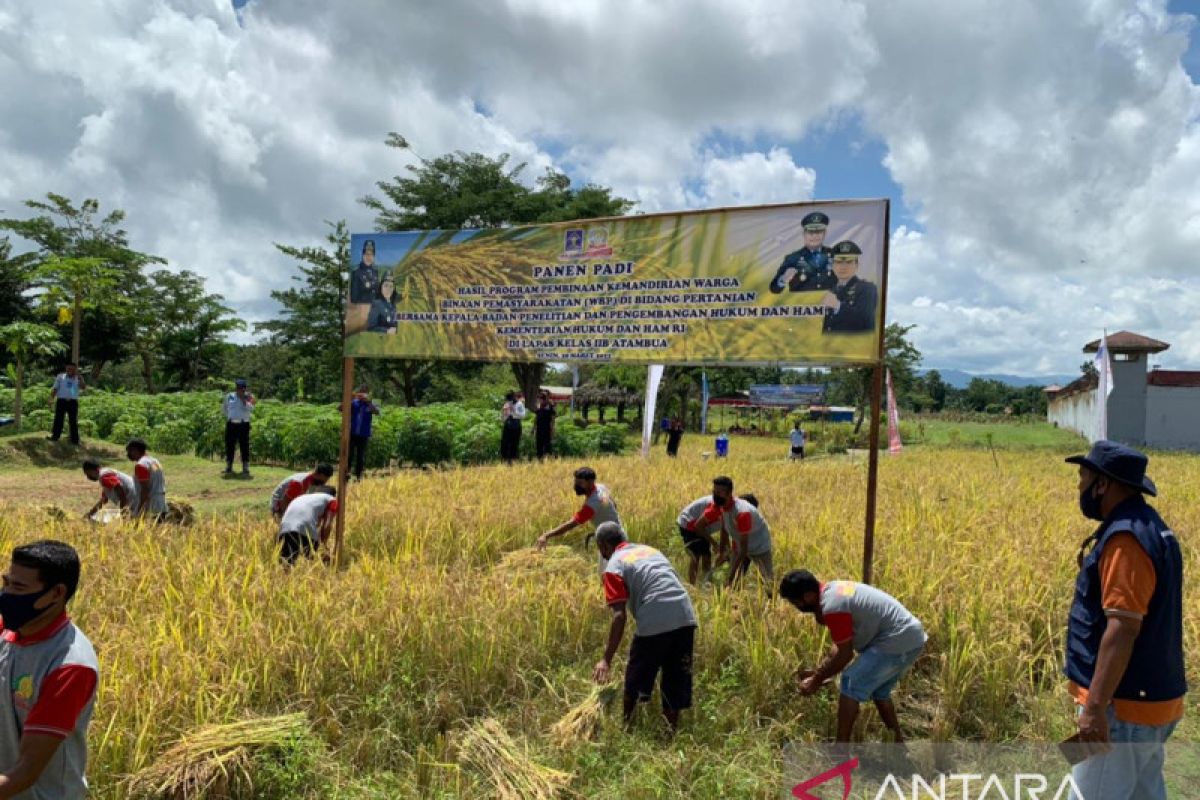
294,486
641,581
115,487
151,498
50,677
864,620
742,525
598,506
1124,653
306,523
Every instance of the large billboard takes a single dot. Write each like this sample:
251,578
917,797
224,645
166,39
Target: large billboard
790,284
800,394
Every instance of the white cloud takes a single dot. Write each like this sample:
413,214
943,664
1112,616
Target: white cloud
1051,152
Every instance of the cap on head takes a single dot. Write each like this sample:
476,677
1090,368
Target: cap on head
1119,462
816,221
846,248
240,383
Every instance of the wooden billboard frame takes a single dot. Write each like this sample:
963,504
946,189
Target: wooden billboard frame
876,399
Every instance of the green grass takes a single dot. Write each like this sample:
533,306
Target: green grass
942,433
36,471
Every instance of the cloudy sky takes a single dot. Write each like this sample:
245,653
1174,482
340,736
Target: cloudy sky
1043,158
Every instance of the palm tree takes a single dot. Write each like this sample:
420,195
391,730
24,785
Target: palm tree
25,341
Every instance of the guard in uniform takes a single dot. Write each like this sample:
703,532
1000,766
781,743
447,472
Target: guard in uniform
364,281
851,302
807,269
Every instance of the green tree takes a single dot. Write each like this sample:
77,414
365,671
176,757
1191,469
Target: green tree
14,284
83,261
25,341
191,340
472,190
852,385
935,387
311,323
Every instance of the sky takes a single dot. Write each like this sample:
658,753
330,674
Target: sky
1043,159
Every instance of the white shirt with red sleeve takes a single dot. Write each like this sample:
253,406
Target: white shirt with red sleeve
48,688
739,518
289,489
110,479
149,470
598,508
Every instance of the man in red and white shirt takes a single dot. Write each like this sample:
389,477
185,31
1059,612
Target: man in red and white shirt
115,487
743,526
151,483
598,506
306,524
49,674
293,486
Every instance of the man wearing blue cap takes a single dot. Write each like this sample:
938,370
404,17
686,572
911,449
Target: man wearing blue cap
807,269
1125,630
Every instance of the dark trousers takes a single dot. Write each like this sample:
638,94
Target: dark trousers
293,544
510,440
237,434
544,443
358,454
69,409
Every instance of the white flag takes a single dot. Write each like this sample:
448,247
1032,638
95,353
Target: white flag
1104,386
653,379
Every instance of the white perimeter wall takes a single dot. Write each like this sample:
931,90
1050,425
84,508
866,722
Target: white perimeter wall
1173,417
1077,413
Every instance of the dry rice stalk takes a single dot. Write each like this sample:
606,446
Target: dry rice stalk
554,560
180,512
207,762
488,748
56,513
582,723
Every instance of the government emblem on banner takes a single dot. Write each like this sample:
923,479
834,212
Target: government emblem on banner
597,239
572,245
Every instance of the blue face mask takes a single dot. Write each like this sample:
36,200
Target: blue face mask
1089,502
17,609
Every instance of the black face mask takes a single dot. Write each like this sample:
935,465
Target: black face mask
17,609
580,491
1090,502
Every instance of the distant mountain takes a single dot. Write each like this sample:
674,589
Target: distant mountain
959,379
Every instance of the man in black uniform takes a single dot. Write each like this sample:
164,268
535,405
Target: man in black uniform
852,301
364,281
807,269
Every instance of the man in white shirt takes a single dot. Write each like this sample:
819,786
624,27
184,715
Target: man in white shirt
237,407
64,398
797,442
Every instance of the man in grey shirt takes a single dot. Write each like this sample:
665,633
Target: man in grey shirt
641,580
863,620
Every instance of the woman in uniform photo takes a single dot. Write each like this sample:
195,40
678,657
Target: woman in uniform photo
382,317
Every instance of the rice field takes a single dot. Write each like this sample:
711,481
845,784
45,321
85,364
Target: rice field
438,651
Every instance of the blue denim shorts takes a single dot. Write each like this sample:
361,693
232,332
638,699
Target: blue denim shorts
873,675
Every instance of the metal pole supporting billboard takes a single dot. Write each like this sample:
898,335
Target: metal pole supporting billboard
876,392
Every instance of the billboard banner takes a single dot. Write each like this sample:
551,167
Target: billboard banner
787,395
794,284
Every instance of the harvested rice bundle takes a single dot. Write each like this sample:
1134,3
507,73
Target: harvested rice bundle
214,761
512,774
554,560
582,723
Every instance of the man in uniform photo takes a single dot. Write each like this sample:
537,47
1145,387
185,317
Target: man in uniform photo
851,302
807,269
364,281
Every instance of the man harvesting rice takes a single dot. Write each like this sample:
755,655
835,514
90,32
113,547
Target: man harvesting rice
743,526
151,497
699,543
598,506
294,486
640,580
864,620
115,487
306,523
